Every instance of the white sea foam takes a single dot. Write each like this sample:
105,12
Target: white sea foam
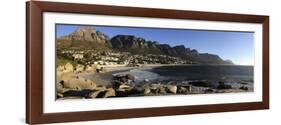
140,75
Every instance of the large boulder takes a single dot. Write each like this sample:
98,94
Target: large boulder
222,85
124,87
182,90
129,92
116,84
146,91
80,93
245,88
208,91
60,87
79,68
94,94
162,91
201,83
60,68
129,77
110,92
101,87
172,88
185,89
68,67
79,83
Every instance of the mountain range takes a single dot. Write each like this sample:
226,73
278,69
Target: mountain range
90,38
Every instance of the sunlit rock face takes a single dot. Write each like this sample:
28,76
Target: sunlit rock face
89,38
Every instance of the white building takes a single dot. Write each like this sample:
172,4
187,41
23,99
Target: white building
78,56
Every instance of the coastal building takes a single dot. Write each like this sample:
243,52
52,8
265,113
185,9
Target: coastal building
77,56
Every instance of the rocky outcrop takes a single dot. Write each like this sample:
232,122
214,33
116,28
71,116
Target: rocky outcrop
78,87
244,88
84,37
77,93
172,88
68,67
138,45
184,89
201,83
78,83
222,85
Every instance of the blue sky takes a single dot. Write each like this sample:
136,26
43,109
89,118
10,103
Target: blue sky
236,46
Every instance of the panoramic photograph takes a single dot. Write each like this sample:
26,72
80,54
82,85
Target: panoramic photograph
115,61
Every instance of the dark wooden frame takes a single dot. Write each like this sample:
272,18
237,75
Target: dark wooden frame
34,61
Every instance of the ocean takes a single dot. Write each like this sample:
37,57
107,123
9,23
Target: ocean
193,72
206,72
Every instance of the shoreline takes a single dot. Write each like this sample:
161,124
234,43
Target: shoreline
143,82
110,68
121,69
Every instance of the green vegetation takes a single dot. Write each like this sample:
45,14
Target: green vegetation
62,61
142,51
81,45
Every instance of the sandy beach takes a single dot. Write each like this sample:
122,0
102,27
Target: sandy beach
156,79
104,78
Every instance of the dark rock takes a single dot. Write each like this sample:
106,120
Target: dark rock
223,86
83,93
162,90
101,94
154,90
126,93
172,89
146,91
139,90
59,95
201,83
116,84
62,83
130,77
109,93
183,90
209,91
123,79
244,88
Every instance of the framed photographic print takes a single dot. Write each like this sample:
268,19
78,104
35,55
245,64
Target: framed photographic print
95,62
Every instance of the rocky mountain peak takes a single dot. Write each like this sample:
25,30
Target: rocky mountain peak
84,33
86,36
89,37
85,30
